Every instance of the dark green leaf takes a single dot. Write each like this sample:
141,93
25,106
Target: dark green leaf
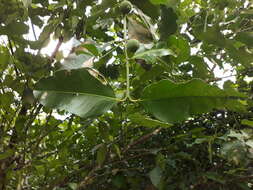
246,38
8,153
171,102
168,23
101,154
215,177
15,28
181,47
75,91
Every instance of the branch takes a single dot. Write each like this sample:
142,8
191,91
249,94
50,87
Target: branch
142,139
57,48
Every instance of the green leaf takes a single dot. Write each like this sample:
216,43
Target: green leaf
171,102
137,31
200,69
119,181
77,61
15,28
147,122
4,58
245,37
159,2
75,91
181,47
8,153
147,7
213,35
101,154
247,122
152,54
155,176
215,177
249,143
73,186
168,23
91,48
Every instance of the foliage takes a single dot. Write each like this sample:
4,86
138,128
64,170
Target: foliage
159,117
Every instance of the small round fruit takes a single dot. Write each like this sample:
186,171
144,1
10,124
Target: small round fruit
132,46
125,7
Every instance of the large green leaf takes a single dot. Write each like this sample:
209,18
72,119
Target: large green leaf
75,91
171,102
168,23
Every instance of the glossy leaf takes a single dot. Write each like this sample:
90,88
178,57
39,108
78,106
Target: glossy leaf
171,102
75,91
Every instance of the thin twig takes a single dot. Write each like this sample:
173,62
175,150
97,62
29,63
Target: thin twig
142,139
57,48
34,34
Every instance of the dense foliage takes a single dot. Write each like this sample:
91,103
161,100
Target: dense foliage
156,94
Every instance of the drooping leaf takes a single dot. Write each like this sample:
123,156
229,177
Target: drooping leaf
168,23
147,122
171,102
75,91
137,31
147,7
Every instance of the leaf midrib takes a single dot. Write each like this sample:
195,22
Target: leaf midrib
79,93
175,97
